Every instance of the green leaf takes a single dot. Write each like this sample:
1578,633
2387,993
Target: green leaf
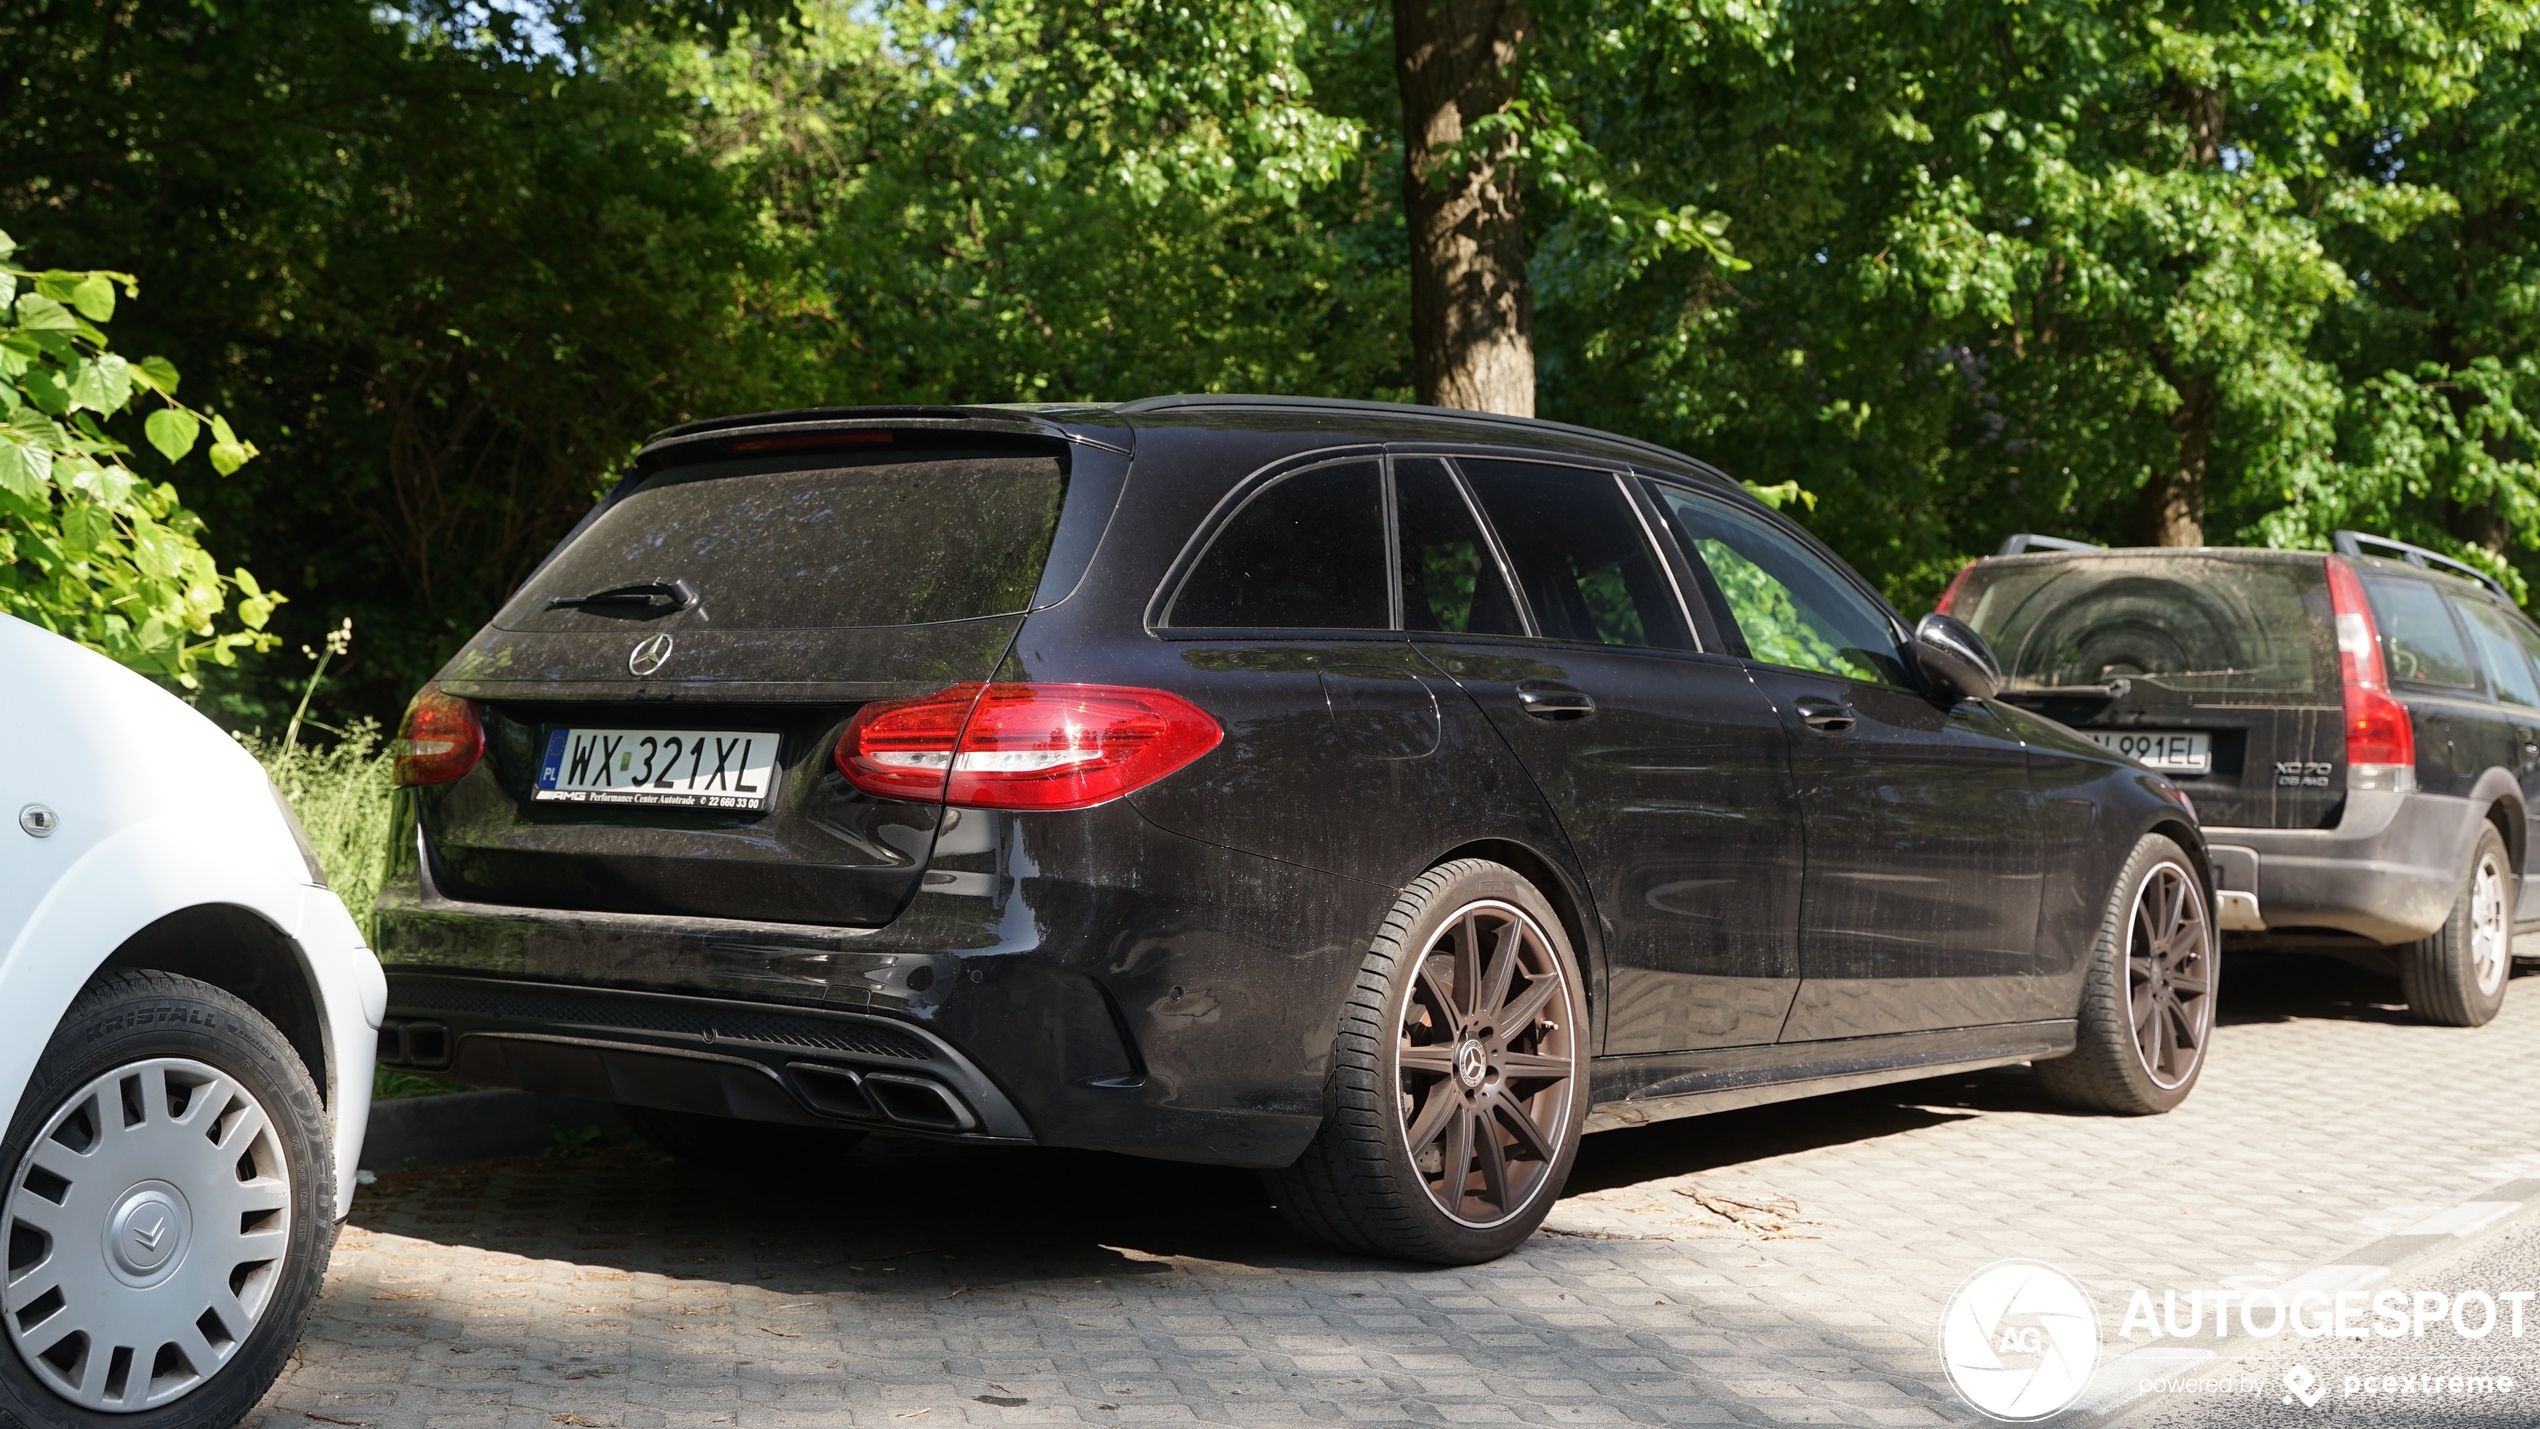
228,453
172,431
38,313
103,384
24,472
48,387
85,528
157,373
94,296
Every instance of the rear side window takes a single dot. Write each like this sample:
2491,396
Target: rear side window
2419,643
2203,625
2499,651
1451,580
1306,551
897,543
1581,553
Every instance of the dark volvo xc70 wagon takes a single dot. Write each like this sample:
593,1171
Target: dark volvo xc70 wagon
1375,795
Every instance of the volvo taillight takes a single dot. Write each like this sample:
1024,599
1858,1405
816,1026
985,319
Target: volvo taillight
2381,745
1018,746
441,739
1949,597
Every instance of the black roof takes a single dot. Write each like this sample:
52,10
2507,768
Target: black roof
1384,420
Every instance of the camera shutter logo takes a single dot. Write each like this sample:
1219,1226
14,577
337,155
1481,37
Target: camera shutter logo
2020,1339
648,656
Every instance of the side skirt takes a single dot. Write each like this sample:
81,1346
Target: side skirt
1635,1091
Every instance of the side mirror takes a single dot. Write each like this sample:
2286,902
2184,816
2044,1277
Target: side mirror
1955,658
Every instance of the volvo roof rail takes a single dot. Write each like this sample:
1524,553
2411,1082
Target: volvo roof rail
2352,543
2029,541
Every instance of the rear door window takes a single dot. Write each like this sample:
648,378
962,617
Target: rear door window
2419,643
1582,557
1451,578
1306,551
2499,646
894,543
1791,607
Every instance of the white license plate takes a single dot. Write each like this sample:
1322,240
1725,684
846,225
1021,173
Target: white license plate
2170,752
679,768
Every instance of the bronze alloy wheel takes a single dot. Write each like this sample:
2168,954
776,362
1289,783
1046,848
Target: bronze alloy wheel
1486,1062
2169,975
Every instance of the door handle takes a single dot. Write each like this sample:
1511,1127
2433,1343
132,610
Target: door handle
1824,716
1556,702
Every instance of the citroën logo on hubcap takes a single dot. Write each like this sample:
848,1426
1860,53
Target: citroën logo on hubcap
649,656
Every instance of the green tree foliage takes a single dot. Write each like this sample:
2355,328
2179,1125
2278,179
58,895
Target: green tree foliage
1047,201
2123,269
90,548
2023,266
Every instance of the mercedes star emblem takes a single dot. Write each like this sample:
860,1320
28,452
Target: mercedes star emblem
649,656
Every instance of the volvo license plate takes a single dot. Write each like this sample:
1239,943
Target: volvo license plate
2170,751
677,768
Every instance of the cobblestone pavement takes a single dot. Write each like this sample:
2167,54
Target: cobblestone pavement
1781,1265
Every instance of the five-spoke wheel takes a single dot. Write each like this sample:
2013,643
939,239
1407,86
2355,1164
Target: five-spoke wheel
2457,975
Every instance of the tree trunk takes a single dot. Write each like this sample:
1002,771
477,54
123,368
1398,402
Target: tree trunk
1472,318
2173,502
2173,510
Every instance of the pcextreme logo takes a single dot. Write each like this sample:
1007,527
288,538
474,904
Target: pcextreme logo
2020,1340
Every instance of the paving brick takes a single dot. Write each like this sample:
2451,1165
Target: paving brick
910,1283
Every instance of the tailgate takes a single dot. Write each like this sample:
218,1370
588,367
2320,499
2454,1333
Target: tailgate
2216,667
743,606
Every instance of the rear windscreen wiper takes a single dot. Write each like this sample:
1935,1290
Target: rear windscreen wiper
655,595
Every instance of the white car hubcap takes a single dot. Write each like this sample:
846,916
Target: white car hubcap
2490,943
146,1231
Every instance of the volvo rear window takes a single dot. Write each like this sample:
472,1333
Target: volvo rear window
892,543
2194,624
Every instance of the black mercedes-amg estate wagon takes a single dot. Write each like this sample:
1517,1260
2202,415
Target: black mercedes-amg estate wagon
1376,795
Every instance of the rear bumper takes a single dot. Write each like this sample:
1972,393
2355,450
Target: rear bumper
1083,980
709,1055
2390,871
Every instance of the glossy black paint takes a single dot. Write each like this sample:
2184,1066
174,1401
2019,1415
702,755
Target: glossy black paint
1162,974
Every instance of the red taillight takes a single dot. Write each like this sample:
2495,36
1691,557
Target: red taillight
1949,597
1023,746
2378,734
441,739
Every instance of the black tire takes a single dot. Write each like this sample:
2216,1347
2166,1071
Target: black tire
2457,977
2156,948
167,1029
1410,1062
725,1144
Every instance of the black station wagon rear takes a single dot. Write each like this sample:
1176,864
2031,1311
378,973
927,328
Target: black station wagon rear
2360,732
1378,796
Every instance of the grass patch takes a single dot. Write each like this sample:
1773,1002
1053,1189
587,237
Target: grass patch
342,794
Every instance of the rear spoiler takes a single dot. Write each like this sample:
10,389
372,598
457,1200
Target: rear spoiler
2352,543
2029,541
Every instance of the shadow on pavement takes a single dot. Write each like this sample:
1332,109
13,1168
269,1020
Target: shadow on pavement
2268,986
